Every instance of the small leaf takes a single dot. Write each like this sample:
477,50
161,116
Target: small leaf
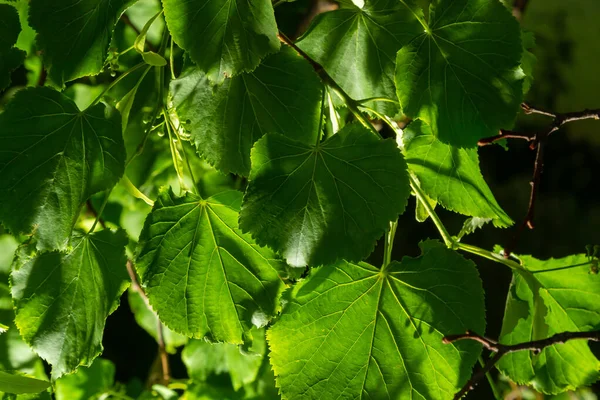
202,276
19,384
452,79
471,225
62,300
318,204
74,34
354,331
282,95
54,157
87,383
557,295
10,57
150,57
450,175
223,37
358,46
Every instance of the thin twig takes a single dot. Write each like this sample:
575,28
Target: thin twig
519,8
127,21
501,350
92,210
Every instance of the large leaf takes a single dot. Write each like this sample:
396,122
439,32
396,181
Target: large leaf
74,34
318,204
62,300
358,46
450,175
461,75
10,57
201,274
19,384
87,383
354,331
558,295
223,37
282,95
53,157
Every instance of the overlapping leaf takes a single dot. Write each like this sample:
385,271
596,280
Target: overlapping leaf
87,383
10,57
62,300
318,204
201,274
74,34
282,95
450,175
559,295
357,46
353,331
224,38
461,76
52,158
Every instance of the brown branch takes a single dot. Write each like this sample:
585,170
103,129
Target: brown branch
504,134
501,350
162,351
519,8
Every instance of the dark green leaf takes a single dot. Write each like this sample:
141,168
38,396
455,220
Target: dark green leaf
10,57
223,37
461,75
450,175
558,295
358,46
19,384
86,383
353,331
282,95
62,300
53,157
318,204
201,274
74,34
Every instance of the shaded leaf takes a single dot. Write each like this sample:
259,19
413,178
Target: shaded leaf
54,157
19,384
86,383
202,276
282,95
352,330
10,57
62,300
318,204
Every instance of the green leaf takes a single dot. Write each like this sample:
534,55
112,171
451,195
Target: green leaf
282,95
358,46
150,57
471,225
354,331
318,204
74,35
147,319
10,57
558,295
203,359
86,383
450,175
202,276
54,157
224,38
461,76
62,300
19,384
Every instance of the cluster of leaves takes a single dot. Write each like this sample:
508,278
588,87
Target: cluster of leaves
264,202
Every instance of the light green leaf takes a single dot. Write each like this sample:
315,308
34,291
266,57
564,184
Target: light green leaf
282,95
558,295
10,57
86,383
74,34
450,175
354,331
150,57
202,276
223,37
203,359
461,75
358,46
471,225
318,204
147,319
62,300
19,384
53,157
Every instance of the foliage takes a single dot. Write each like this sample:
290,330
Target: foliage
239,182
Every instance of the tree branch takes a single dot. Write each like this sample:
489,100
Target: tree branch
519,8
501,350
